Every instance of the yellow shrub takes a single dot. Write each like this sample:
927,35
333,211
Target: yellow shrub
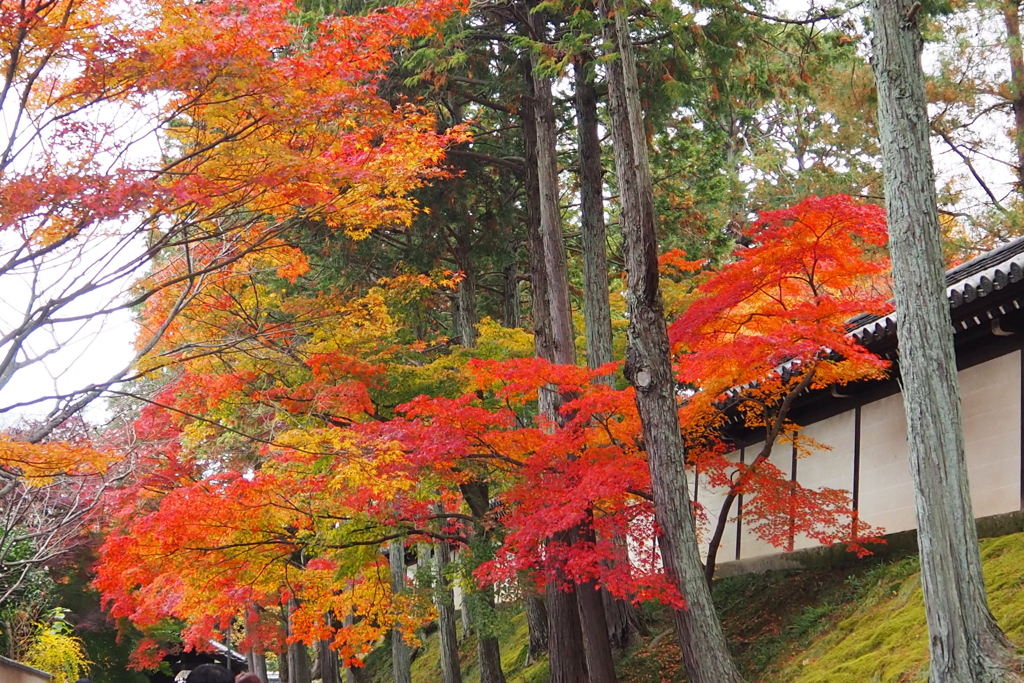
59,654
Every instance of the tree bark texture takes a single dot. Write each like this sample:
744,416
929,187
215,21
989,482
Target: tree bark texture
465,318
594,625
444,601
282,666
966,644
539,299
537,622
648,367
466,622
511,311
298,654
257,662
488,650
477,496
328,670
597,314
565,636
563,345
401,653
1011,18
354,674
555,343
625,626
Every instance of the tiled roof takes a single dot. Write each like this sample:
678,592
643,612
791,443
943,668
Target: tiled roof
977,278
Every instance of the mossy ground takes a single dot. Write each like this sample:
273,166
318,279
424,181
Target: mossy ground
859,624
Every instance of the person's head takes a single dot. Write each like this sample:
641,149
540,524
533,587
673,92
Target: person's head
248,678
209,673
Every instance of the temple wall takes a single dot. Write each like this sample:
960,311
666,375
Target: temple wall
876,465
13,672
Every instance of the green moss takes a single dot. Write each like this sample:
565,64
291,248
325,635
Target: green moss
860,623
884,636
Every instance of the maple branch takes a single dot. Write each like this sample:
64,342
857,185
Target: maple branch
218,425
777,425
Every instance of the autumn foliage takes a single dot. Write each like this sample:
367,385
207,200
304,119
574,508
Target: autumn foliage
762,332
277,463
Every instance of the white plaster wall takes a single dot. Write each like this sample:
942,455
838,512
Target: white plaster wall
782,457
831,466
12,672
712,499
886,490
990,401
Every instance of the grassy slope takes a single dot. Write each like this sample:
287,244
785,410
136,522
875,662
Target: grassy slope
852,625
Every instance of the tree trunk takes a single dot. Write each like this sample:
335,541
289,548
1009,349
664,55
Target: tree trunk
298,664
597,316
401,654
327,668
282,667
594,625
488,650
563,345
257,662
466,620
477,496
511,311
966,644
537,622
1011,18
539,299
354,674
298,654
465,315
489,653
357,674
554,342
566,657
649,368
625,626
444,600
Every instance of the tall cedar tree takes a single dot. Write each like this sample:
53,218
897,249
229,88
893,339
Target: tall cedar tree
966,644
649,369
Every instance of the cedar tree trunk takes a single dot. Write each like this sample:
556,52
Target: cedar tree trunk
966,644
477,496
328,669
298,654
552,315
649,368
1011,18
444,600
401,653
537,621
597,314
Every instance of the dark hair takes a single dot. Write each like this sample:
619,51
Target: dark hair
210,673
84,680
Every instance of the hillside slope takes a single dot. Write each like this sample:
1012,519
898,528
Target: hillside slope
847,625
